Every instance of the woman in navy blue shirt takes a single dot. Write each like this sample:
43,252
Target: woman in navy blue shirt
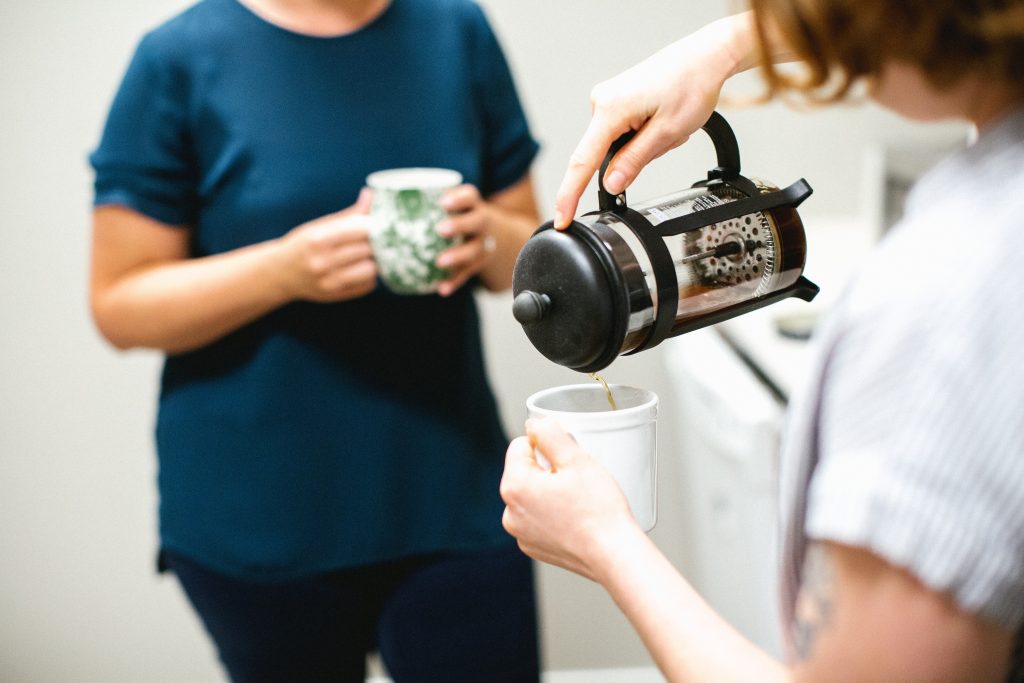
329,451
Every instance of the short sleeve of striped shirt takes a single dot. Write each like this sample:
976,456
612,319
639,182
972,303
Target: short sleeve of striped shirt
921,419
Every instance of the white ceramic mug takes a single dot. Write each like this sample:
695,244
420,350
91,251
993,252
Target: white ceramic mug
406,210
623,440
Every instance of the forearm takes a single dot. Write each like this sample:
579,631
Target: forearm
181,305
687,639
510,230
736,39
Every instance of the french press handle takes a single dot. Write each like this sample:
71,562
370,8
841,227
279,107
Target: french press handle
726,149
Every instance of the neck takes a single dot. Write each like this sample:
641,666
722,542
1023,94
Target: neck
320,18
991,105
977,98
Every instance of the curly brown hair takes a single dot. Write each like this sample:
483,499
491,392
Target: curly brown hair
845,42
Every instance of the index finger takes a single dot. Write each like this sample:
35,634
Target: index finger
520,458
460,198
586,159
336,230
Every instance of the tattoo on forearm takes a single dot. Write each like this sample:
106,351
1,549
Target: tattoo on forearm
815,603
1016,674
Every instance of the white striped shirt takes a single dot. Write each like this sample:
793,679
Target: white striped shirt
910,440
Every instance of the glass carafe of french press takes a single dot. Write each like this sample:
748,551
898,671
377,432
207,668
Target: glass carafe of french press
624,278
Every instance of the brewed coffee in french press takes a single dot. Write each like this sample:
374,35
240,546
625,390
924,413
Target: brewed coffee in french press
624,278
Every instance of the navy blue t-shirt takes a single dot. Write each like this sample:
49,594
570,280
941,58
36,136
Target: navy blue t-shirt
322,435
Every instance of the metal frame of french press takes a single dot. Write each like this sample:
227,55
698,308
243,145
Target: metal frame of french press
727,173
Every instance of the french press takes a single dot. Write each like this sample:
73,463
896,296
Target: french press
623,279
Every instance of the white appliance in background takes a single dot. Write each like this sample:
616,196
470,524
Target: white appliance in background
729,422
732,382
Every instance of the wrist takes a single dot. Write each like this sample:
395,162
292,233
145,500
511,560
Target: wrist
735,40
613,548
276,271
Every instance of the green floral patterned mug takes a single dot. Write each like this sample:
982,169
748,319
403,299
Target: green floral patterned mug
406,210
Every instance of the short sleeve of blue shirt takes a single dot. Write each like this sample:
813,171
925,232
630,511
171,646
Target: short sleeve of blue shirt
144,161
508,141
322,435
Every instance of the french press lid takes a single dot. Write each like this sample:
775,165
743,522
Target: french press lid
575,311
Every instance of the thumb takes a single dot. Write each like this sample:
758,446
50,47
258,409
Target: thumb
519,457
364,201
557,446
361,206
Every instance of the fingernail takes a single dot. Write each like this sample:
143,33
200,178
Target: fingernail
615,182
560,221
444,229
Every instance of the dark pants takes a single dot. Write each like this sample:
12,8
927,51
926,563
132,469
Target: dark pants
444,618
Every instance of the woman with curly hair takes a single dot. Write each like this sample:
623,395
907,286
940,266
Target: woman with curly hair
903,458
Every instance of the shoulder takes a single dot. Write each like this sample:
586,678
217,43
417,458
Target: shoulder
449,9
949,261
918,423
931,328
456,30
463,16
183,37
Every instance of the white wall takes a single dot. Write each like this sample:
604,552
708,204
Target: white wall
78,596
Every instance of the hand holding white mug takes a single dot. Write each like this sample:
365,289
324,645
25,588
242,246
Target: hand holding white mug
568,514
330,258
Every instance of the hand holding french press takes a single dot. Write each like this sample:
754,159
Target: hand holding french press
665,98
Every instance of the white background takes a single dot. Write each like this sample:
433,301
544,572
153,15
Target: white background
79,600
